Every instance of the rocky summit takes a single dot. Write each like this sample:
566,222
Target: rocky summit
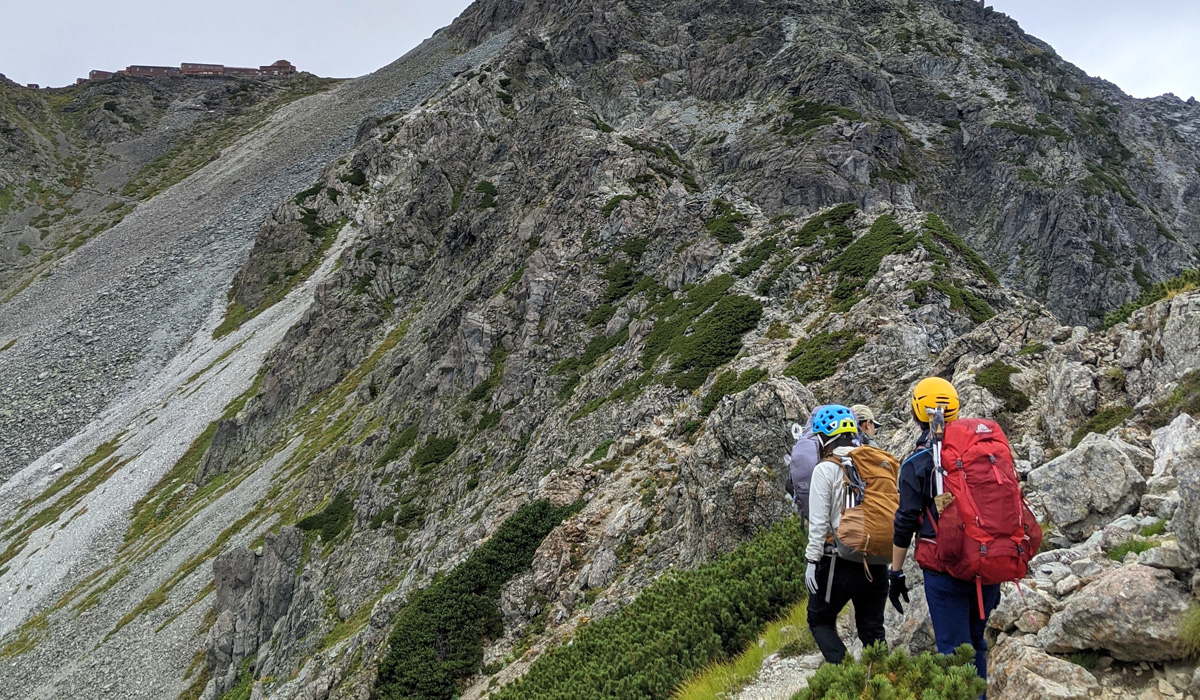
473,377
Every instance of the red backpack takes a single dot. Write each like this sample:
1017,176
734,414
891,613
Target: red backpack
986,532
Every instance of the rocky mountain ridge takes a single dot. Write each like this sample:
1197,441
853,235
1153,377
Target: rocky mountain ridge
607,259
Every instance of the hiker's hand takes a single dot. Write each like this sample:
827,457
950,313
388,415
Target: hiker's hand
897,589
810,577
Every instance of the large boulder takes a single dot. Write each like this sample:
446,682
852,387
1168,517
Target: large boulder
1071,396
1186,522
1133,612
1018,670
1089,486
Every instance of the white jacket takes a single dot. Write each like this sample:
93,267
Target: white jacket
825,497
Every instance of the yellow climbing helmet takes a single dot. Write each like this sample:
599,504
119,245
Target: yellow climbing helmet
929,394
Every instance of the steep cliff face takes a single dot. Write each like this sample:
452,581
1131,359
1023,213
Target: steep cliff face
608,263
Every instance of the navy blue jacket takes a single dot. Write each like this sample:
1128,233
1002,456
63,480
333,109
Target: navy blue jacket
916,496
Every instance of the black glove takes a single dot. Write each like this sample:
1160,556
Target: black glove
897,589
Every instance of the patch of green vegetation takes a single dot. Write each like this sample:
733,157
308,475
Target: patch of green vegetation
1027,175
1185,282
729,383
387,515
859,261
678,169
488,190
355,177
1100,179
879,674
398,445
615,202
1103,256
1189,631
1052,131
823,223
622,277
1033,349
724,224
601,451
601,315
498,357
768,282
438,638
755,257
997,378
1136,546
9,344
311,192
819,356
1157,528
937,228
243,689
1102,422
488,420
717,338
805,116
331,520
977,309
1185,399
27,636
434,452
679,625
1089,659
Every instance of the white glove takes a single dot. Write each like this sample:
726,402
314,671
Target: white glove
810,577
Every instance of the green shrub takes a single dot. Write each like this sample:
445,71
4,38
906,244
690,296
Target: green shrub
1157,528
680,624
819,356
1189,631
615,202
355,177
724,225
1088,659
621,276
484,389
601,315
386,515
1185,399
806,116
821,223
938,229
332,519
434,451
1033,349
488,190
438,638
961,298
754,258
1119,552
859,261
997,378
488,420
1187,281
716,340
728,383
676,314
601,451
404,439
880,675
1102,422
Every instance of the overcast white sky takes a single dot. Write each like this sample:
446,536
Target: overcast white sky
1147,47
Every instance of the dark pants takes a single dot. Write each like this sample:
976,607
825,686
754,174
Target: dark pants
849,584
954,609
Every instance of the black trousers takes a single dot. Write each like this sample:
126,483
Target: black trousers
850,583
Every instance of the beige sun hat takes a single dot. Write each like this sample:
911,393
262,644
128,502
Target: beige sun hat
862,412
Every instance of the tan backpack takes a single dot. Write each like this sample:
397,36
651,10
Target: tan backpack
864,533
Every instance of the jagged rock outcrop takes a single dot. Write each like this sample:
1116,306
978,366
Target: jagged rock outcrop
254,590
1088,487
1021,670
1134,613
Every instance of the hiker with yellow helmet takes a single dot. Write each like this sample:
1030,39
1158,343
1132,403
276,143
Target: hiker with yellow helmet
852,503
960,481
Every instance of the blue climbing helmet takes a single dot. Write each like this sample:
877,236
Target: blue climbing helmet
834,419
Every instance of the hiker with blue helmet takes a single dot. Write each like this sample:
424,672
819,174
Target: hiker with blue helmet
852,504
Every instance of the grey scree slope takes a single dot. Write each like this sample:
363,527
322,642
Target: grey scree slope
115,311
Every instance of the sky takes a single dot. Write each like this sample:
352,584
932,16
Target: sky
1147,47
